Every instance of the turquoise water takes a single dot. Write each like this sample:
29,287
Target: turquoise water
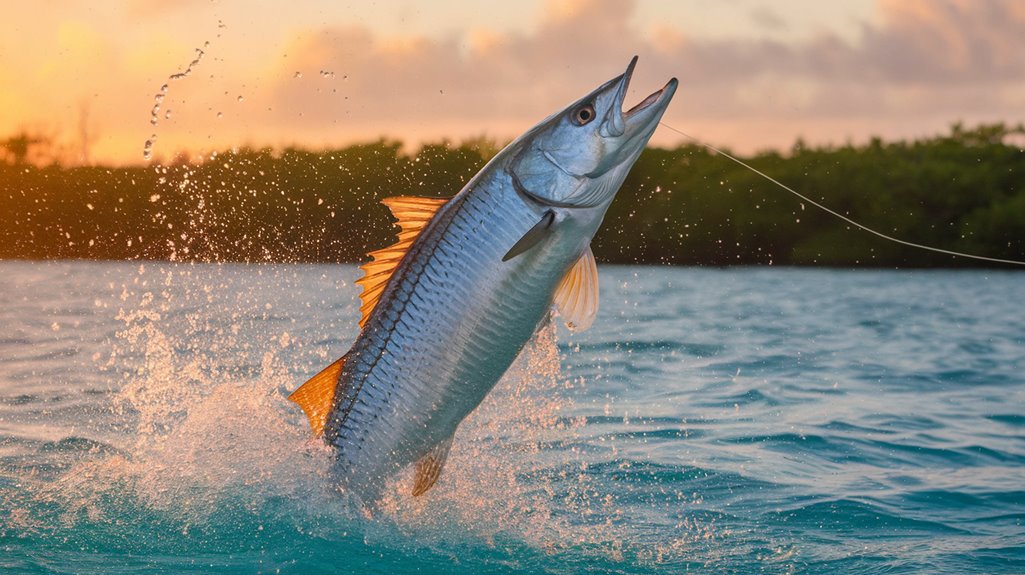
712,421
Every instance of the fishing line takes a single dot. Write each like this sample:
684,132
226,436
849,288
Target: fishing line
839,215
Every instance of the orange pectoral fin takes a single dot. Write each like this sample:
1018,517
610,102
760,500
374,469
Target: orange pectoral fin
577,294
316,397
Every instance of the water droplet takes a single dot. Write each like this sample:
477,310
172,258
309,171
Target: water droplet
298,75
167,115
240,98
147,148
220,114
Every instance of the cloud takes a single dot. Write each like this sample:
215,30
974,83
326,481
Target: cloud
475,82
768,19
943,43
913,68
153,8
946,59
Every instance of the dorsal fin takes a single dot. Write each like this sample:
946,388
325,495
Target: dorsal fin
428,468
577,294
317,396
412,214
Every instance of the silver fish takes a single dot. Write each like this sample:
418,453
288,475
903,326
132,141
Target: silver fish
449,307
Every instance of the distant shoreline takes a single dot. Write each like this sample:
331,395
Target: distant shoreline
964,191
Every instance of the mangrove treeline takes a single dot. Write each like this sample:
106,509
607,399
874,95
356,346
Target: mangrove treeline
962,191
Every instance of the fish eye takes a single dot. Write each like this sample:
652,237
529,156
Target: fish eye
583,114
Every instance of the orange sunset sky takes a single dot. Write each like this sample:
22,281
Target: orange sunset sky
754,73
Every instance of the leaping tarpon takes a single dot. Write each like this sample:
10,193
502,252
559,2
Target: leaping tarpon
449,306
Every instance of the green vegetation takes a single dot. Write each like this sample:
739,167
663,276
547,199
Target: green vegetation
963,191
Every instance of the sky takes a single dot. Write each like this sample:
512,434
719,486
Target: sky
754,74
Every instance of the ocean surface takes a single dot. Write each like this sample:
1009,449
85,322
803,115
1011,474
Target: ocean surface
750,420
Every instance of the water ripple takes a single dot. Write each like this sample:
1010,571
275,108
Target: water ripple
713,421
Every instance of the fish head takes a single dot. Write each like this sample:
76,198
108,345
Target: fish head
580,156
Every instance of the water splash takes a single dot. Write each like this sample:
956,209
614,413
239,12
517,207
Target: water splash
195,62
161,95
205,441
158,100
210,443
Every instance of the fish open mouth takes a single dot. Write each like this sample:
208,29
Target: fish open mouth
616,122
652,100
